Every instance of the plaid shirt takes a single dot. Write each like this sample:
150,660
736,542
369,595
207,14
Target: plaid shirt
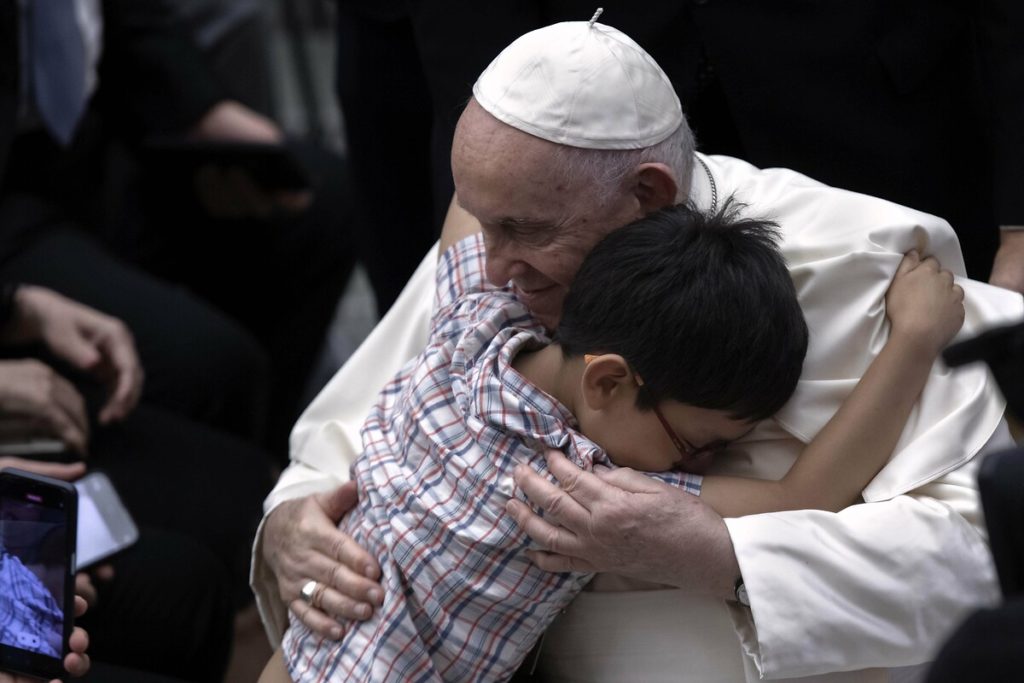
30,618
462,601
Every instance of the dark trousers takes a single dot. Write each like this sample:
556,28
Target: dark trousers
986,647
280,277
167,611
257,294
196,495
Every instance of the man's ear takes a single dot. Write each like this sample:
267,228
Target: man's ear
607,380
656,187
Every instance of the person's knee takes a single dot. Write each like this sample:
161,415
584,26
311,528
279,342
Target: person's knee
168,609
220,371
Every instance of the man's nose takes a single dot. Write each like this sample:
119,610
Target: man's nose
503,264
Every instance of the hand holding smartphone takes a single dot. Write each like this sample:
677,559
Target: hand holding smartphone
38,525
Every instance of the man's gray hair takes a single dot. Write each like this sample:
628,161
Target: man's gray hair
607,169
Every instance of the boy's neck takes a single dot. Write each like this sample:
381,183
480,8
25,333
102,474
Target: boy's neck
550,371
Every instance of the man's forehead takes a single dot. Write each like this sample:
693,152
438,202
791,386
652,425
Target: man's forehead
483,140
517,193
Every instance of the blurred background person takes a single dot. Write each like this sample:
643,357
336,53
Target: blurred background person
85,86
166,604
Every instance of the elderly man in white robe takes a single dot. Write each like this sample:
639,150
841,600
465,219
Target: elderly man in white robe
572,132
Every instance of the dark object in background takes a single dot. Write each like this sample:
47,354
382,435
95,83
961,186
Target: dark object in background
1001,475
1003,349
985,649
1001,483
987,646
272,167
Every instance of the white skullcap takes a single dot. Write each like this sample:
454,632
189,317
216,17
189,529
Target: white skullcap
581,84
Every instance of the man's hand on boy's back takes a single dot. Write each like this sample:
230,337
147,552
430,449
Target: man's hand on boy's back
624,522
302,543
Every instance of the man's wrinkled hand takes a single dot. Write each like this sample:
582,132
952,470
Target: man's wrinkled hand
87,339
32,390
301,542
624,522
1008,266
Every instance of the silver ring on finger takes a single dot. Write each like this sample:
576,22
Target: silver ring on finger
317,601
309,590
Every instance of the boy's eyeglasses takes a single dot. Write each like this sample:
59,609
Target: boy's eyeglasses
687,452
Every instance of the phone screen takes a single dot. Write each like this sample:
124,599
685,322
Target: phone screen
94,536
36,573
104,525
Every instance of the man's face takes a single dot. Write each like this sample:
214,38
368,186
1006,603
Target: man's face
538,225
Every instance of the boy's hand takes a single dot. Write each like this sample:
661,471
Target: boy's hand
923,304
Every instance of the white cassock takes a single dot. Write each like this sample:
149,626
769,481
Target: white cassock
876,586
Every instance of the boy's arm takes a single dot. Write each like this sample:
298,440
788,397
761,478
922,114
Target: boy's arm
275,671
847,453
926,310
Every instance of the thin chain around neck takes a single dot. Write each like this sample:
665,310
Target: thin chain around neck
714,187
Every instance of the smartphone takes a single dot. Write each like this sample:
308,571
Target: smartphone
38,518
1001,484
104,525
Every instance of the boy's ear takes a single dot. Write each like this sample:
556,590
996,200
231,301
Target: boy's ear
607,378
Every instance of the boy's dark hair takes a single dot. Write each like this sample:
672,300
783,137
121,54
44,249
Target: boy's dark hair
700,305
